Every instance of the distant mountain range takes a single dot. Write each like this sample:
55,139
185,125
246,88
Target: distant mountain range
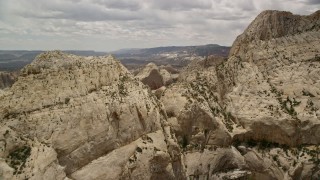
177,56
203,50
13,60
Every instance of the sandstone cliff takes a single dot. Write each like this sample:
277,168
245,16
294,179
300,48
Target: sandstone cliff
270,25
68,115
263,100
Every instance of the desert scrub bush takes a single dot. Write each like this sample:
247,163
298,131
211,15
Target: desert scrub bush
18,158
122,89
66,100
276,159
307,93
311,106
314,153
31,69
229,119
276,92
121,86
139,150
288,104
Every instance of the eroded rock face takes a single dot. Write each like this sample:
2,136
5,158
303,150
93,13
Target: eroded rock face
278,76
209,164
151,76
83,108
265,95
194,117
145,158
272,25
155,77
7,79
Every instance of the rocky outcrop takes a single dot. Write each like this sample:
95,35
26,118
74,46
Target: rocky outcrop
7,79
277,76
80,109
272,25
155,77
265,96
145,158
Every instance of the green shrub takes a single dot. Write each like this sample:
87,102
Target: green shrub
18,158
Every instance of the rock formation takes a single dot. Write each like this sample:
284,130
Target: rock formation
264,100
270,25
156,77
7,79
254,115
66,114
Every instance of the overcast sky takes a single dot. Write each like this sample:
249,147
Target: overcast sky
106,25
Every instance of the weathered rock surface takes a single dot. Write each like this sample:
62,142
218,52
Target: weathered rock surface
156,77
266,95
279,77
7,79
81,108
272,25
145,158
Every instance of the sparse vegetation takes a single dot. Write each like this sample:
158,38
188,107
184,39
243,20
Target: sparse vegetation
310,105
66,100
307,93
276,159
6,133
139,150
17,158
122,89
121,86
229,119
313,153
287,105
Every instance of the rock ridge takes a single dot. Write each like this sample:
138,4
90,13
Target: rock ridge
271,24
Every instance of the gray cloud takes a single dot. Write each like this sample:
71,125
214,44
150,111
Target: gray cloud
181,4
119,4
79,11
313,2
114,24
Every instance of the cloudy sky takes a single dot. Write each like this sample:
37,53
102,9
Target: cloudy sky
106,25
